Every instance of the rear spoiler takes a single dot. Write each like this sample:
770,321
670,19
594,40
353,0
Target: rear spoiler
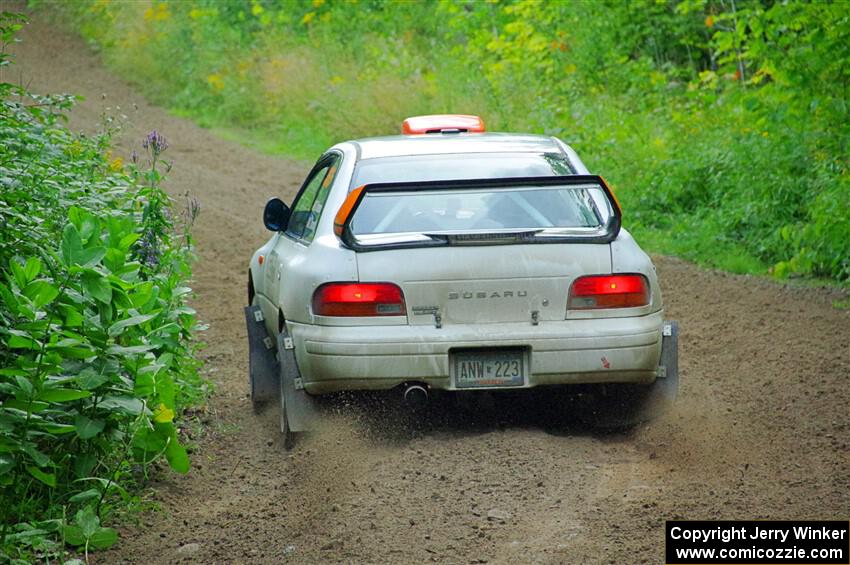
346,212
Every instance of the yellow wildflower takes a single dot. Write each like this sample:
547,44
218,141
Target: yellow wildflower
158,12
162,414
216,81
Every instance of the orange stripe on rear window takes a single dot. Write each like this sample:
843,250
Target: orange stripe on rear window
346,209
614,196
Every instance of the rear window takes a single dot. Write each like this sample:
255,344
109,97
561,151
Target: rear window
421,168
544,208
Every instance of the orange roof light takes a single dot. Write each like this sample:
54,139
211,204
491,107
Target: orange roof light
442,123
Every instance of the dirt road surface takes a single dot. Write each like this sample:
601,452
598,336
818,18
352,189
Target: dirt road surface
762,429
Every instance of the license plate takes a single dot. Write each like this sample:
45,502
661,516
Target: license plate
489,368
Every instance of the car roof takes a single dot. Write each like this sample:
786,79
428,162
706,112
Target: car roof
444,143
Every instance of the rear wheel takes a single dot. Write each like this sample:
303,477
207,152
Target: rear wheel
261,364
287,436
624,406
257,404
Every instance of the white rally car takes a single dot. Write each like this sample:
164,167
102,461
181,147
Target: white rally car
450,259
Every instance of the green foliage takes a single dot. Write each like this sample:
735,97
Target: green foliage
97,353
723,124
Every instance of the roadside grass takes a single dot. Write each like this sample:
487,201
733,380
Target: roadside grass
701,249
298,144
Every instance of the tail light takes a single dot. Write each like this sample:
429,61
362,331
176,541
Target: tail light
358,299
608,291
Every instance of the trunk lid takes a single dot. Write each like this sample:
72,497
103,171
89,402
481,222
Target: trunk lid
485,283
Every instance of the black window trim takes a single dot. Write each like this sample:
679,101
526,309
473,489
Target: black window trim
323,161
613,227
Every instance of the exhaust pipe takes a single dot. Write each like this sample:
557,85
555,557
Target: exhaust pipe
415,396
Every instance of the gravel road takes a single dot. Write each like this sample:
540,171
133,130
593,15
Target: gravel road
762,430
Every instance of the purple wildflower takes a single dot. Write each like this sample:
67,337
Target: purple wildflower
156,143
148,249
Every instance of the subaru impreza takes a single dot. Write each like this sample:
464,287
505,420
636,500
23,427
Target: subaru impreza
452,259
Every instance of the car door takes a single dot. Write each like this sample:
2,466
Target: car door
293,245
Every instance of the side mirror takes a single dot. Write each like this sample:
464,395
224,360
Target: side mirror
276,215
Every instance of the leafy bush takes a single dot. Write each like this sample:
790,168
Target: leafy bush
723,125
97,356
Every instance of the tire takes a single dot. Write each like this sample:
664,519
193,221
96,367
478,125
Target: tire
260,365
257,405
624,406
621,407
287,436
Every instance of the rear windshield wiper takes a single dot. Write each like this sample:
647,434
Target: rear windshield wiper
482,238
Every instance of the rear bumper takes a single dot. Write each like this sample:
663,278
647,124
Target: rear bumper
608,350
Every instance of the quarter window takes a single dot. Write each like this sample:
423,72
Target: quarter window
311,201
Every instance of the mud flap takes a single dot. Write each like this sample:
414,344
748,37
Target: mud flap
262,362
302,410
668,365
